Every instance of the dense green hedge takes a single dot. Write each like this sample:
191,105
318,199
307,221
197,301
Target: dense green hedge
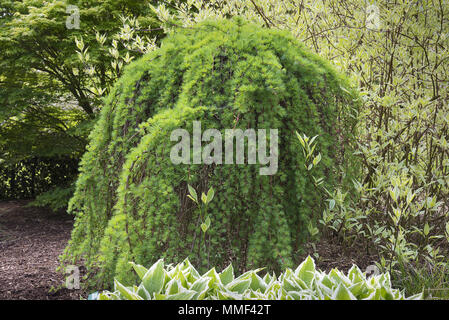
30,177
131,201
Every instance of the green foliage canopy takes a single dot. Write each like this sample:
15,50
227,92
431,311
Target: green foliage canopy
48,96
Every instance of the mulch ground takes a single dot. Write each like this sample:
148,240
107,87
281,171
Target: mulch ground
31,239
332,254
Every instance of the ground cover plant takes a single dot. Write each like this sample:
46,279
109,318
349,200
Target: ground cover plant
183,282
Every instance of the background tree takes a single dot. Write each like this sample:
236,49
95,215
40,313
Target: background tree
50,90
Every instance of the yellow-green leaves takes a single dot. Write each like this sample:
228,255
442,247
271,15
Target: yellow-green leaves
205,225
192,194
205,200
210,196
426,229
308,149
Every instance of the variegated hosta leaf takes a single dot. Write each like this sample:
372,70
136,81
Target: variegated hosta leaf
183,282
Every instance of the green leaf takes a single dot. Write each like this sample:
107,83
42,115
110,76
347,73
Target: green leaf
173,287
317,159
160,296
153,280
300,139
386,294
257,283
214,278
108,296
141,291
228,295
239,286
185,295
227,275
289,285
210,195
331,204
184,282
192,192
180,276
342,293
295,295
312,140
125,292
306,271
426,229
140,270
200,285
204,198
355,274
193,272
193,199
394,193
358,288
328,282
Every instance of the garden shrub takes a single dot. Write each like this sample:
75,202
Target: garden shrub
183,282
131,201
33,176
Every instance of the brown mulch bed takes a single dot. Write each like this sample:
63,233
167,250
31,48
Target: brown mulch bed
31,239
332,254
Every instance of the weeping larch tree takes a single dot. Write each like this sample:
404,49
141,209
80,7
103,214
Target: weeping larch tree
131,201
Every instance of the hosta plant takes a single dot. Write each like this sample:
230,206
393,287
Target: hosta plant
183,282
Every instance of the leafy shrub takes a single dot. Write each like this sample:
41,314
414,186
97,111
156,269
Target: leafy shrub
32,176
183,282
131,201
431,280
56,198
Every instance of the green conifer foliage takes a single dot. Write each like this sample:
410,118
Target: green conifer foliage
131,201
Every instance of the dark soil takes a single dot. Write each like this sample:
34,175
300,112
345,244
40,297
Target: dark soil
333,254
31,239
